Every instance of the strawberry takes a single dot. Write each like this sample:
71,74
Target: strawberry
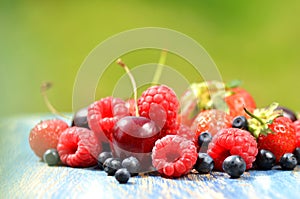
273,131
208,95
198,98
212,121
297,129
45,135
237,100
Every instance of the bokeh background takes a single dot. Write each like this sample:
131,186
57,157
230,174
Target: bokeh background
255,41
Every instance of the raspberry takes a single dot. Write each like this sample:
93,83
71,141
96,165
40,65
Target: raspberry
45,135
186,132
159,103
174,156
297,129
103,114
232,141
212,121
78,147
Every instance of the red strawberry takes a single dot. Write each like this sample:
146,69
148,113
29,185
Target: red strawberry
212,121
103,114
237,100
297,129
274,132
232,141
78,147
160,104
45,135
198,98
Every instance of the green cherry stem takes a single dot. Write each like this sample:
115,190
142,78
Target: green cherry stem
45,86
121,63
160,65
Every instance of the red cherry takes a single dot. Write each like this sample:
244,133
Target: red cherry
135,136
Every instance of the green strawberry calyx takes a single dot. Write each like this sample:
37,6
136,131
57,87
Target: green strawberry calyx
262,118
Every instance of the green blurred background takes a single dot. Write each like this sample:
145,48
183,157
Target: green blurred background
255,41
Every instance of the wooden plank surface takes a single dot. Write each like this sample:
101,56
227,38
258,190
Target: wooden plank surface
24,176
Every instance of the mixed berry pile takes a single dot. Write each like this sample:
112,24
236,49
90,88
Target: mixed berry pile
214,126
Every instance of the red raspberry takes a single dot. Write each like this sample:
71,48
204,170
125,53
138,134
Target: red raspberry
212,121
159,103
297,128
78,147
232,141
183,131
103,114
174,156
45,135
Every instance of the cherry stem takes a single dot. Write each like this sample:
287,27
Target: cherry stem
121,63
44,88
254,116
161,63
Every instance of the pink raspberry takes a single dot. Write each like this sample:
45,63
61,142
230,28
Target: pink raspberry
78,147
159,103
103,114
232,141
174,156
45,135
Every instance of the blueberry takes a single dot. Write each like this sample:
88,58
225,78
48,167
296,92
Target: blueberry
122,175
297,154
204,163
265,159
102,157
203,140
131,164
80,118
240,122
288,161
111,165
51,157
234,166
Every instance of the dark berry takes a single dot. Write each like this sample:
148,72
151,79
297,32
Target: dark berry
288,161
240,122
102,157
122,175
297,154
234,166
203,140
265,159
131,164
51,157
204,163
111,165
80,118
287,113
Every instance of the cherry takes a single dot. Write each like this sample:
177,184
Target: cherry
135,134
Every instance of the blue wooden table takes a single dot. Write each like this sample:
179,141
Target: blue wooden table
22,175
